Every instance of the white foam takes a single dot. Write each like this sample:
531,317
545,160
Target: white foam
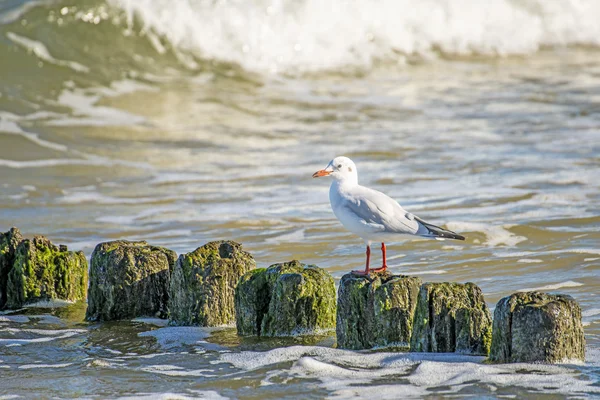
41,51
432,272
315,35
545,253
54,303
543,378
335,377
9,125
178,335
436,373
584,251
496,235
46,336
396,256
588,316
17,196
172,370
202,394
591,312
349,390
47,332
452,247
349,374
125,86
250,360
529,260
83,104
35,366
56,162
553,287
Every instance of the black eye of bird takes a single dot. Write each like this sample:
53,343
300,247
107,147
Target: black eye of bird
339,165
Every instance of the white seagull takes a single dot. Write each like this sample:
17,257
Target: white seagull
373,215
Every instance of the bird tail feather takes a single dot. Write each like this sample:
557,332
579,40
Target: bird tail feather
439,233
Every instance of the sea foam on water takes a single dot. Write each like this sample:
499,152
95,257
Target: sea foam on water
348,374
313,35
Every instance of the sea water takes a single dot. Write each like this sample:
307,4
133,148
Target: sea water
190,121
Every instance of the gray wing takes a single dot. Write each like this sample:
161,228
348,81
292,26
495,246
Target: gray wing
382,213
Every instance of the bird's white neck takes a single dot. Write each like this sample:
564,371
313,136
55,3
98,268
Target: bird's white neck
345,181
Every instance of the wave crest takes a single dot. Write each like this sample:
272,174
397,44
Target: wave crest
316,35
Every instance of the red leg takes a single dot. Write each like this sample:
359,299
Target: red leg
384,264
367,269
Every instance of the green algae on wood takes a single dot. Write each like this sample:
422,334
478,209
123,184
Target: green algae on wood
8,246
203,284
451,317
302,300
394,304
375,310
43,271
354,311
537,327
285,299
128,280
252,297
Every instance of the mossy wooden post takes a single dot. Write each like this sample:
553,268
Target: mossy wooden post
375,310
128,280
203,284
252,298
285,299
8,246
451,317
537,327
43,271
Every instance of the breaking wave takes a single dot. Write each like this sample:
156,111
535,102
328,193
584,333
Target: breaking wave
285,36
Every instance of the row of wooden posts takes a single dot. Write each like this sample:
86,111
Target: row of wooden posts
219,284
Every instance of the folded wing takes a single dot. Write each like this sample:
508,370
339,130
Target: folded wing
380,213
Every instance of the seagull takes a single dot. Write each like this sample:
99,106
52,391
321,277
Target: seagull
372,215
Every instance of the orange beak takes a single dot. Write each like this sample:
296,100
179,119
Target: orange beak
321,173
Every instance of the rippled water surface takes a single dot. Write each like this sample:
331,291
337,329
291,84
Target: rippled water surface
112,126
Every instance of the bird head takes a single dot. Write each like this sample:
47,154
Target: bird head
340,168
